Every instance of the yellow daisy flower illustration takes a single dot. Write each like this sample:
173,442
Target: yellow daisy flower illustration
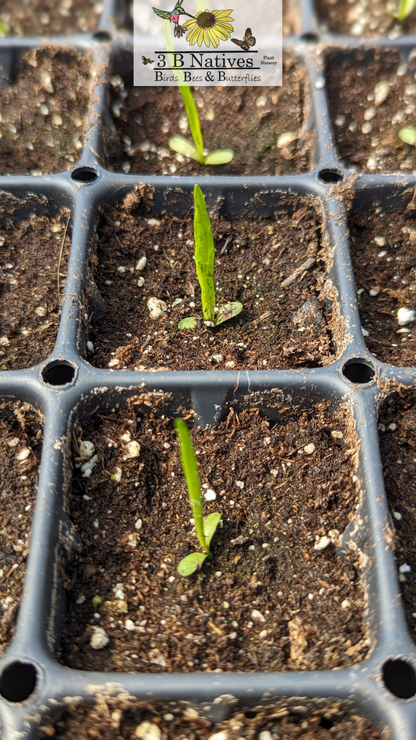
209,27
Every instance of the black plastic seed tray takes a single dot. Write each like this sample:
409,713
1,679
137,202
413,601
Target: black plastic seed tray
66,388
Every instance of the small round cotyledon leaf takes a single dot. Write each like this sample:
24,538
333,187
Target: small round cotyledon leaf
191,563
228,311
408,135
211,523
183,146
219,156
189,323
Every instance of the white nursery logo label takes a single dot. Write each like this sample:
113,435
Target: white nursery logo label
192,44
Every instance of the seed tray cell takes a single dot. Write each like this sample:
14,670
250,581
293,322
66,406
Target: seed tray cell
365,684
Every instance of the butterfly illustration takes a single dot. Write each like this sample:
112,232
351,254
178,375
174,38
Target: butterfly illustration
248,41
147,61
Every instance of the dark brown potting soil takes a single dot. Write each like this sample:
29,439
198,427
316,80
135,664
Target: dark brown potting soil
275,594
20,449
364,18
319,720
46,17
384,260
366,129
32,253
281,325
397,426
247,120
43,112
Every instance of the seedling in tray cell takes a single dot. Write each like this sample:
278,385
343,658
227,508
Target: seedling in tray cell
196,150
204,262
205,528
405,8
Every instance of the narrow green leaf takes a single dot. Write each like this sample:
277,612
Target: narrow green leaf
405,8
219,156
190,471
181,145
408,135
228,311
191,563
204,254
4,29
211,523
193,118
189,323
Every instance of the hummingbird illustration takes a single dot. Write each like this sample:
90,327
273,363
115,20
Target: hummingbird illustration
173,16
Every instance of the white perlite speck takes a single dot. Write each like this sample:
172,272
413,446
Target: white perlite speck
309,449
132,451
405,568
210,495
156,307
129,625
322,543
405,316
99,639
141,264
148,731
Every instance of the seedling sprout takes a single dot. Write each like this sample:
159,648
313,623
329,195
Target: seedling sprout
196,150
204,262
205,528
405,8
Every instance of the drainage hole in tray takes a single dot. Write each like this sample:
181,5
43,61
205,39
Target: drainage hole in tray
330,175
85,175
399,678
18,681
102,36
58,373
310,38
358,371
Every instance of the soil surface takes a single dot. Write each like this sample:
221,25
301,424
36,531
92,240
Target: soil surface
397,425
383,250
124,715
32,252
366,129
46,17
43,112
281,325
20,450
364,18
275,594
250,121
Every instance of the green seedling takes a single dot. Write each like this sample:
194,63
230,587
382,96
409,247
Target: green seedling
4,29
405,8
196,150
205,528
97,600
204,262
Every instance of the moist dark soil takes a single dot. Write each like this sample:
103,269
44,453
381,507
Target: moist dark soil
271,598
124,715
383,250
397,427
32,253
364,18
43,112
249,121
365,129
20,450
46,17
281,325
